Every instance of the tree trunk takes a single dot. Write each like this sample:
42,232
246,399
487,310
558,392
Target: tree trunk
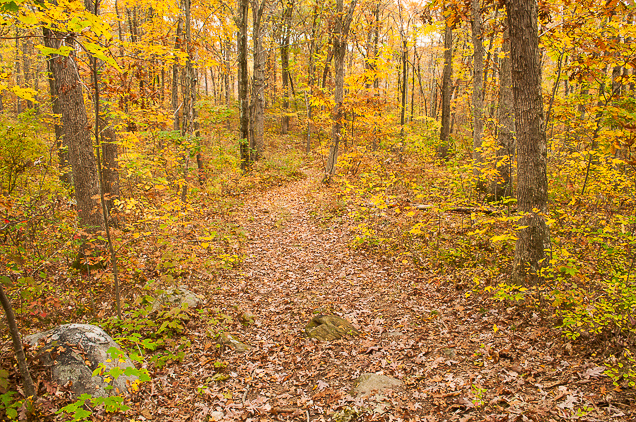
442,150
243,83
311,74
478,94
501,186
284,63
110,171
66,176
257,114
341,32
75,130
405,84
532,188
175,77
189,86
27,381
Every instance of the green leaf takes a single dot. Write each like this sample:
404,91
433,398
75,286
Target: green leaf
64,50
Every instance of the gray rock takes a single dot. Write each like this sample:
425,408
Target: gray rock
175,297
368,383
74,351
329,327
230,341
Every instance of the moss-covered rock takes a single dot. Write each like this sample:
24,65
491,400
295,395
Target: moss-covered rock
329,327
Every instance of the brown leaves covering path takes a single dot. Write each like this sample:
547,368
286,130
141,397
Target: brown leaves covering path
458,360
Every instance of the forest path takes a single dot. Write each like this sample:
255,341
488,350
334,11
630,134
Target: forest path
458,361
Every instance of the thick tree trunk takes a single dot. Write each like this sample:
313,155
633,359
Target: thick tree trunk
442,150
501,186
66,176
257,114
75,130
532,188
189,86
478,94
341,32
244,143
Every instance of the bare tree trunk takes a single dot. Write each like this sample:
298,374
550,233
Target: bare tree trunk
532,190
501,186
189,99
478,94
110,171
257,114
18,81
66,176
405,84
244,143
442,150
311,74
29,387
340,35
75,130
27,54
284,63
175,77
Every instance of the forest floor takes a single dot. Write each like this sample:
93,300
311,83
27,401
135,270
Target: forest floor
457,360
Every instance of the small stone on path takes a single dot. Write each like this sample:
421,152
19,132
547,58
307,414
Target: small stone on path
229,340
368,383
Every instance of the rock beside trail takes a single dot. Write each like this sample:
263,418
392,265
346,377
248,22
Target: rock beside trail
74,351
368,383
229,340
175,297
329,327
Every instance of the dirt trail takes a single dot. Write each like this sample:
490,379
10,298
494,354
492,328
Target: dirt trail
457,360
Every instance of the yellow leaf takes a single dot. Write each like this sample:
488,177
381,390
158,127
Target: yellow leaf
205,245
495,328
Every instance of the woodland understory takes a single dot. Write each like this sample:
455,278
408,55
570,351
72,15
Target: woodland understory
279,245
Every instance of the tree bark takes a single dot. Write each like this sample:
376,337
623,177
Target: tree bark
75,130
478,94
175,78
257,113
311,74
189,100
244,145
339,38
29,387
284,63
442,150
501,186
532,189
